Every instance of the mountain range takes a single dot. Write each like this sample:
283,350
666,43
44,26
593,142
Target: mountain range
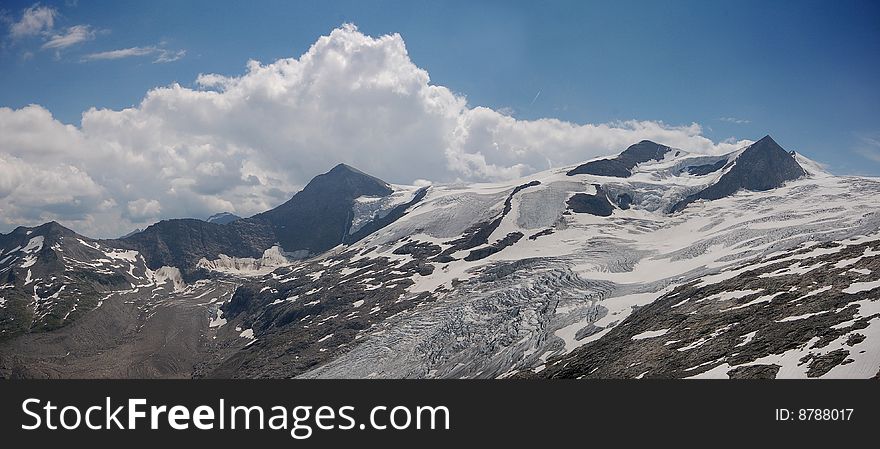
655,262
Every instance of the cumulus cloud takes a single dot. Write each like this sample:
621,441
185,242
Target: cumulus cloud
34,21
162,55
246,143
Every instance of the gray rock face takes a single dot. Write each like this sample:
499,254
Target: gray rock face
762,166
705,169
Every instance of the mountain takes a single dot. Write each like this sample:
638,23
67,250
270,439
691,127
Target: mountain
668,264
318,217
326,213
621,166
50,276
183,242
764,165
222,218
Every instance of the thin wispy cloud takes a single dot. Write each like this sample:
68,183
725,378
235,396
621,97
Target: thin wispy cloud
162,55
869,149
120,54
72,36
738,121
34,21
169,55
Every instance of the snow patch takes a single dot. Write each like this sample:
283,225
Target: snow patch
272,258
857,287
650,334
167,274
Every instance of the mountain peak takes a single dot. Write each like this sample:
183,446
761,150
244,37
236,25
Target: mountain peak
348,181
764,165
342,167
643,151
766,142
621,166
51,227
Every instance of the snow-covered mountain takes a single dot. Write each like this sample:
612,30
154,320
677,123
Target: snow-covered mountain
652,263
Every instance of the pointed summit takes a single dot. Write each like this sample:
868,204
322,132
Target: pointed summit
763,165
347,181
766,143
318,217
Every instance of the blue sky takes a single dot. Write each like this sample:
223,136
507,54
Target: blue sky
805,72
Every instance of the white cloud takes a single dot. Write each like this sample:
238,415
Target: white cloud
121,53
162,55
142,208
738,121
34,21
72,36
246,143
169,55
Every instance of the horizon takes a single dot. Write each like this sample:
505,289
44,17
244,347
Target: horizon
238,123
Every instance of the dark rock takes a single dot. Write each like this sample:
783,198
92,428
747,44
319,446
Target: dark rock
624,200
586,331
584,203
643,151
855,339
823,363
481,253
754,372
419,250
602,167
702,170
621,166
540,233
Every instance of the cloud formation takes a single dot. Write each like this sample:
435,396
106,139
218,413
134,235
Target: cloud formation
246,143
39,21
162,55
71,36
34,21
